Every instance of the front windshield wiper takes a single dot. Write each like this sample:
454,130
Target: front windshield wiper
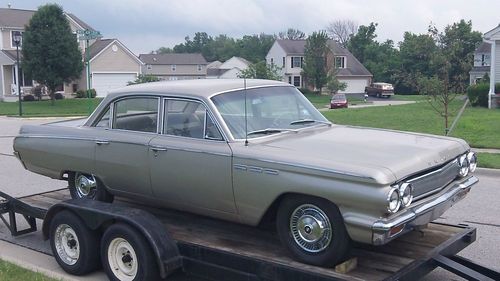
307,121
269,131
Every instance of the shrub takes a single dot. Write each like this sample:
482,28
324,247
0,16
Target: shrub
81,94
29,98
58,96
306,91
478,94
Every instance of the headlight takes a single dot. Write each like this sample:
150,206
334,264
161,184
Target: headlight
472,158
393,200
464,166
406,194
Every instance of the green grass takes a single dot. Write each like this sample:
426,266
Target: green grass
409,97
12,272
66,107
488,160
323,101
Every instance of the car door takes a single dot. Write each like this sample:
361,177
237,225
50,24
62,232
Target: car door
190,161
122,160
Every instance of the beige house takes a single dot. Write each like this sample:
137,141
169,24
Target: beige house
174,66
230,69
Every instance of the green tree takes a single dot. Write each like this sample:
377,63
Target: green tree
255,47
314,68
262,70
50,52
144,78
333,84
292,34
361,40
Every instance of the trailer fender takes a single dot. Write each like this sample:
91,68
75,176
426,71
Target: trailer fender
98,215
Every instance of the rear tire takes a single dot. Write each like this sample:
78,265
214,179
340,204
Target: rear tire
86,186
313,230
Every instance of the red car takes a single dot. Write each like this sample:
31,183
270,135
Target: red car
338,101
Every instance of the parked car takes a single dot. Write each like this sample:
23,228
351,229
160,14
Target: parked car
254,152
379,89
338,101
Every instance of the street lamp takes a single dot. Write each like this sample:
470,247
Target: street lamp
17,41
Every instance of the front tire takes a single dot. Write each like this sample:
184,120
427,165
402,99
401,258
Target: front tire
86,186
313,231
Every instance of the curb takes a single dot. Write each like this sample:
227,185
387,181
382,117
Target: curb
488,172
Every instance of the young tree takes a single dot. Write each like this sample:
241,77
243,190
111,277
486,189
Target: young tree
292,34
342,30
333,84
261,70
50,52
314,68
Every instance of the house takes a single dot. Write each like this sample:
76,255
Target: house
111,63
227,70
482,60
289,56
174,66
487,60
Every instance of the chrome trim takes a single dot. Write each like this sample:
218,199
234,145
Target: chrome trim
137,96
198,151
56,137
240,167
394,189
432,172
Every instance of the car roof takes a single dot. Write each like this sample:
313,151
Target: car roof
196,87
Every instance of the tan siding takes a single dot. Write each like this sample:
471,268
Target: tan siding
6,40
180,70
110,61
7,73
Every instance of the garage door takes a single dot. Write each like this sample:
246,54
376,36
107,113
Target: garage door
104,82
355,86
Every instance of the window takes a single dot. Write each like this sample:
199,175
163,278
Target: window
189,119
104,120
283,61
149,67
340,62
289,79
174,67
272,61
136,114
200,67
296,81
15,33
296,62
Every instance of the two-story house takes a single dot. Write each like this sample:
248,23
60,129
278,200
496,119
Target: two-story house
174,66
482,60
111,63
289,56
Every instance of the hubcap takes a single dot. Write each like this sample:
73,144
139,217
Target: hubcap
67,244
122,259
311,228
85,186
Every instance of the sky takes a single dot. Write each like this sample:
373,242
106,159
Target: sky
146,25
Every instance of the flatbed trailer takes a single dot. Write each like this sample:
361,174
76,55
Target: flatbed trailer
219,250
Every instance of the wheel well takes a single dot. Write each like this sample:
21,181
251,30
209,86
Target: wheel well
268,220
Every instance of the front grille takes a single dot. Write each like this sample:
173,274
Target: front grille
434,180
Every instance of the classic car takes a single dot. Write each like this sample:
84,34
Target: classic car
254,152
380,90
338,101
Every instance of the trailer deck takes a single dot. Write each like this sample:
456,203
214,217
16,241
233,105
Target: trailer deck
219,250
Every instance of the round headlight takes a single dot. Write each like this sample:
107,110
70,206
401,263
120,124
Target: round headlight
406,194
464,166
472,158
393,200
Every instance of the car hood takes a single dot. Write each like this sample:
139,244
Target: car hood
381,155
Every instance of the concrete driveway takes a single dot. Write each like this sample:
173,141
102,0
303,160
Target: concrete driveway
479,209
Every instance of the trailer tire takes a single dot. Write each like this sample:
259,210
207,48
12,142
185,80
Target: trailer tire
86,186
127,255
313,230
74,244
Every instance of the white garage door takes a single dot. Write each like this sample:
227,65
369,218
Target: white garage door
104,82
355,86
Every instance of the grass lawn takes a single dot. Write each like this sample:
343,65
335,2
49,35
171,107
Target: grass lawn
488,160
66,107
409,97
12,272
323,101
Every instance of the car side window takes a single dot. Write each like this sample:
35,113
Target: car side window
189,119
104,120
136,114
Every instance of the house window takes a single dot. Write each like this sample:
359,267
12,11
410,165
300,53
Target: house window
15,33
174,67
340,62
296,81
199,67
283,61
272,61
149,67
485,60
296,62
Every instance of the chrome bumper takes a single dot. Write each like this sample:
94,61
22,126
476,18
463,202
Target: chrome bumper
385,230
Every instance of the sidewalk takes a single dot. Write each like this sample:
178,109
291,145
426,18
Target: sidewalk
487,150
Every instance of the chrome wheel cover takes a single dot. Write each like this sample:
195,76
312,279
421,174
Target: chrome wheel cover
85,185
122,259
67,244
311,229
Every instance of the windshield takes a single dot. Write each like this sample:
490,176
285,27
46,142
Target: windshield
269,110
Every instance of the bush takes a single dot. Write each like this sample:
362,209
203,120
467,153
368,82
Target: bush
306,91
82,94
29,98
478,94
58,96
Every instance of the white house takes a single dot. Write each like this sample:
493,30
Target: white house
289,56
228,69
493,37
482,62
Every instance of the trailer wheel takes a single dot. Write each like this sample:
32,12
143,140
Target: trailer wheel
86,186
313,230
126,255
74,244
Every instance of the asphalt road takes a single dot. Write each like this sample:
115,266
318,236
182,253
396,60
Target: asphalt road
479,209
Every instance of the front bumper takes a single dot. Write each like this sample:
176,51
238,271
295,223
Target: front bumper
385,230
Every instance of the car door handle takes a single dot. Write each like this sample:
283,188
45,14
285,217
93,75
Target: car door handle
157,148
101,142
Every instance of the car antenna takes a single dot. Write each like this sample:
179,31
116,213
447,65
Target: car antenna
246,117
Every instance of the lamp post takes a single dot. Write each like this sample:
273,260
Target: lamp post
17,41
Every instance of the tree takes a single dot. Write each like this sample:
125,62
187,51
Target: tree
333,84
292,34
50,52
163,50
262,70
314,68
342,30
144,78
361,40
